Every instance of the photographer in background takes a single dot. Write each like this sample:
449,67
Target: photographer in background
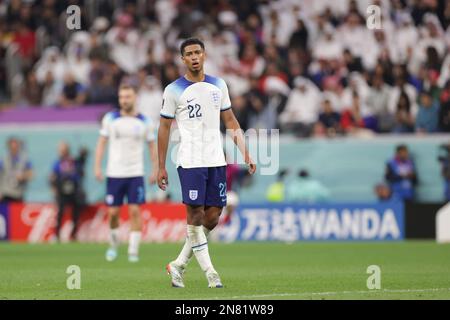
66,180
444,159
401,174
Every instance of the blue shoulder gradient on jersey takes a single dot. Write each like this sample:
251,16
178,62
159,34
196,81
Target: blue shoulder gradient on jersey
112,115
176,88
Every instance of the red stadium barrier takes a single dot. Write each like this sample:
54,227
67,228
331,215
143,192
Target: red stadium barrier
36,223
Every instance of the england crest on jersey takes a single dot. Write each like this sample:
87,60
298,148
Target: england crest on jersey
193,194
215,95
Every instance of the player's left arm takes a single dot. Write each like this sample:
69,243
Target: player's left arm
233,127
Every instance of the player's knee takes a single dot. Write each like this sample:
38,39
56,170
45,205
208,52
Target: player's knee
113,214
211,222
134,212
196,215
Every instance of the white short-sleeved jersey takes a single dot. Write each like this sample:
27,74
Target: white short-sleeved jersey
126,138
196,106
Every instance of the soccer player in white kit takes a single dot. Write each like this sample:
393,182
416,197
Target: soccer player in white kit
126,131
198,101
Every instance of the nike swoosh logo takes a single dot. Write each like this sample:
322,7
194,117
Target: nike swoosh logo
189,101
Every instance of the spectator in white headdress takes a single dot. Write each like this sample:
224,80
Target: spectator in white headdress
302,108
51,61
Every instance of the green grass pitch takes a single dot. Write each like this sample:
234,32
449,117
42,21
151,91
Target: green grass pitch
321,270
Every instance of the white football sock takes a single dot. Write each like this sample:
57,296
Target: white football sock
133,244
114,238
186,253
199,244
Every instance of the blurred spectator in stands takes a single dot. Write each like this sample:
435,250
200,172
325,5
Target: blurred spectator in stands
32,90
354,36
49,21
51,90
352,120
377,101
299,38
276,191
306,190
25,39
352,63
302,108
264,116
404,120
77,56
241,109
15,172
98,46
102,82
273,71
383,192
406,36
151,66
116,73
328,46
66,180
400,87
105,91
432,35
51,61
170,73
73,92
330,119
428,116
401,174
430,83
123,40
149,99
251,63
334,91
356,83
275,55
444,112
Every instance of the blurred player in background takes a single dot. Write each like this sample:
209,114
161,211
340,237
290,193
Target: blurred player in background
126,131
198,101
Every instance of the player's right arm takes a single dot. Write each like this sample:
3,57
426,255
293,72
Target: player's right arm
163,143
167,115
99,152
101,145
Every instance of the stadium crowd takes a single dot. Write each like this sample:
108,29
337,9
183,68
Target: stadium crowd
311,67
